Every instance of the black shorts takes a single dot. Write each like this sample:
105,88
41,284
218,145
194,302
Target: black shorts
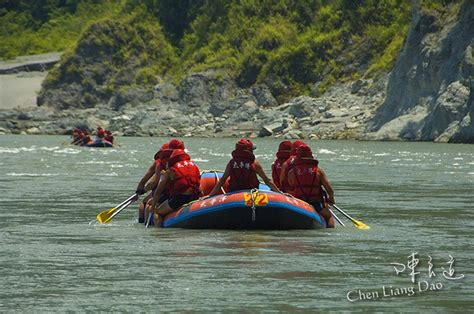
318,206
163,197
179,200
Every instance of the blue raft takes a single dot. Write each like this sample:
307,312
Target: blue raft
247,209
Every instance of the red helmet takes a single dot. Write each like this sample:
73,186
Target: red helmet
284,150
176,144
285,146
245,144
178,155
159,153
304,151
295,146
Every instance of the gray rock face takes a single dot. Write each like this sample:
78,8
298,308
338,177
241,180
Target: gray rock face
302,106
434,71
206,88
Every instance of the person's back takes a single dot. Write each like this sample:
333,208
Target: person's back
243,175
283,153
86,138
182,180
242,170
303,177
100,133
185,178
306,181
286,166
108,136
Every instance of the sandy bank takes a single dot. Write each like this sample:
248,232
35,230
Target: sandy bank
18,88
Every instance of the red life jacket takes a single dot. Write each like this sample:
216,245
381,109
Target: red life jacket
165,157
109,138
242,171
157,166
276,171
187,177
100,133
285,186
306,182
282,156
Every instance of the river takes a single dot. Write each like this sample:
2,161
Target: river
417,198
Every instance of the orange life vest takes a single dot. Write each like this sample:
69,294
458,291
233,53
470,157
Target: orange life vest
305,180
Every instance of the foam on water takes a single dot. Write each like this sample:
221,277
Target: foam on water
14,174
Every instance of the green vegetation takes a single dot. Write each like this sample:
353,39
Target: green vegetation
289,44
32,27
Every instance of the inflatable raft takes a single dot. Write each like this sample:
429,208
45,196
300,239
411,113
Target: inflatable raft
248,209
99,143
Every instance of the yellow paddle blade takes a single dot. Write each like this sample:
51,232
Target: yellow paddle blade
106,215
359,224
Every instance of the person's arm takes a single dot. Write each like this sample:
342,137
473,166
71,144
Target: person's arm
327,186
221,181
268,181
152,183
165,177
283,173
148,174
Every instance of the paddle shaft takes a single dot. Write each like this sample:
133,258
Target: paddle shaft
217,181
123,206
148,220
337,218
128,199
343,213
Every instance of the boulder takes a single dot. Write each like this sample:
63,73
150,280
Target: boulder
263,96
451,106
302,106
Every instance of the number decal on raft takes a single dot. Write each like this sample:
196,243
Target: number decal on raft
258,199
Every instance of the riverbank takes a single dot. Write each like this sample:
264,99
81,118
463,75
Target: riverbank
196,108
342,113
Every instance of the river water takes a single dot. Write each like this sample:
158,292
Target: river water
417,198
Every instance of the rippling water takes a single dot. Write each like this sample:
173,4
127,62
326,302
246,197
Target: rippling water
417,197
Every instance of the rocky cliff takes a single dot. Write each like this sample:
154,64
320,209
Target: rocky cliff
430,91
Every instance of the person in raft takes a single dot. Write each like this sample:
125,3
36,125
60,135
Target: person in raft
306,181
182,179
148,182
162,158
242,170
283,153
100,133
77,136
150,179
108,136
86,138
286,166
